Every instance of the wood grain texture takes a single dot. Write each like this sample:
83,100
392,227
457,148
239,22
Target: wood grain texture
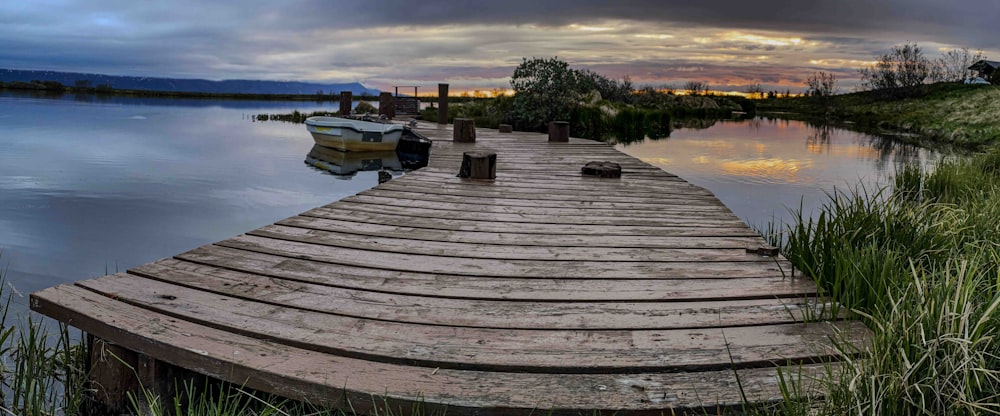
539,289
329,379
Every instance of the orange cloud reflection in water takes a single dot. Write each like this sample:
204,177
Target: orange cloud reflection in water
765,170
759,167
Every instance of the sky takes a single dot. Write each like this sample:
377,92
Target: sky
475,45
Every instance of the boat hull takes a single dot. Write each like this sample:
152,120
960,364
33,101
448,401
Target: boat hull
353,135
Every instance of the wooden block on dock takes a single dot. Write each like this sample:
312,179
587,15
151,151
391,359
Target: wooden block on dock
465,130
478,165
506,128
559,131
602,169
769,251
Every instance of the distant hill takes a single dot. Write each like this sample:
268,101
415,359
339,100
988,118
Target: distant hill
233,86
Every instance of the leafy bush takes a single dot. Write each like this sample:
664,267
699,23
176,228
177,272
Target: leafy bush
364,107
546,90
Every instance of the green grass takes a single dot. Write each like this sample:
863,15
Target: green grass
41,372
955,114
921,266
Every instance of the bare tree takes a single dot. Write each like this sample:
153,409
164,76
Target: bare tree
755,91
954,65
821,83
904,66
696,87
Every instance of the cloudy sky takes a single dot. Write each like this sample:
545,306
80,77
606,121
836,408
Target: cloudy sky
477,44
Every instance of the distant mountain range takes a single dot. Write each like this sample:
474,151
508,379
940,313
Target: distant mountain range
232,86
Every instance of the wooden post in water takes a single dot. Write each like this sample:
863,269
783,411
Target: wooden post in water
345,103
442,103
387,104
559,131
465,130
505,128
478,165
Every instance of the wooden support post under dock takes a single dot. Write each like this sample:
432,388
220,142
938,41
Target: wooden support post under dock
116,372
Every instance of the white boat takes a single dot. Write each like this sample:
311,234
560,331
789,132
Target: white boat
353,135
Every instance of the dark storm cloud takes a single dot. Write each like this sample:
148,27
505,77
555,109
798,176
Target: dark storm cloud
965,22
387,42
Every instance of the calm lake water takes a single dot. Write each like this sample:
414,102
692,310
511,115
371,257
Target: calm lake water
93,186
760,168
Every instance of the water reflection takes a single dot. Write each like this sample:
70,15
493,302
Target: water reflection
344,165
761,167
411,153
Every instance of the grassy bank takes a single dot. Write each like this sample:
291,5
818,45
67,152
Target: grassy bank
963,115
921,265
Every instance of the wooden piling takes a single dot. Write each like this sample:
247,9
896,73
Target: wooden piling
505,128
386,105
345,103
478,165
442,103
117,372
559,131
465,130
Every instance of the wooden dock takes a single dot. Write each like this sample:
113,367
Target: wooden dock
540,290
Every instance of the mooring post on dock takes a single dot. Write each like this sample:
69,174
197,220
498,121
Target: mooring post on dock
505,128
442,103
559,131
478,165
387,105
345,103
465,130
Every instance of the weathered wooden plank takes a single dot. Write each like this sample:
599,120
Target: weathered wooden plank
479,313
487,205
411,194
572,189
510,288
349,383
529,228
707,220
665,269
520,239
461,189
486,349
503,252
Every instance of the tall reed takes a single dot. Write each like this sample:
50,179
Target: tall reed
919,264
42,371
